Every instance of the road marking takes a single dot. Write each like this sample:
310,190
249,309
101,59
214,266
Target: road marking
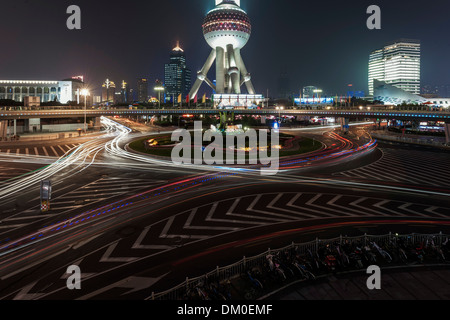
45,151
405,208
36,151
8,151
107,256
133,283
64,151
54,151
138,243
187,225
27,152
380,206
28,266
231,212
282,216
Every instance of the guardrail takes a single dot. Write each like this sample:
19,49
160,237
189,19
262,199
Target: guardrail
406,115
236,269
429,141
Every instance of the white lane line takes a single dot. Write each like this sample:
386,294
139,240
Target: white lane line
231,212
36,151
282,217
107,256
64,151
138,244
380,206
356,204
28,266
45,151
27,152
299,214
405,206
332,203
188,225
54,151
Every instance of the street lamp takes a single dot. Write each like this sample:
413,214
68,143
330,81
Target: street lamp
159,89
279,113
85,93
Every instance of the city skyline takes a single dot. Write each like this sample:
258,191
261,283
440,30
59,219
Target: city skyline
316,57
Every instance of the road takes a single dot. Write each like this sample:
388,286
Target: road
136,225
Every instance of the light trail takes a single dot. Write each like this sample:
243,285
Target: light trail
73,162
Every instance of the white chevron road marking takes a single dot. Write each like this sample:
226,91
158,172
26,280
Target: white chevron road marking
107,256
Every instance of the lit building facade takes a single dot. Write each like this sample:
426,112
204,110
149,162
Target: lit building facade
142,90
397,64
390,95
61,91
108,91
311,92
177,77
125,95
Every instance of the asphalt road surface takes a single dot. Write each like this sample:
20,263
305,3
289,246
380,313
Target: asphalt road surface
136,225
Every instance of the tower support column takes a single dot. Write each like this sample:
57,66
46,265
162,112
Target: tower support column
220,70
233,70
245,75
201,76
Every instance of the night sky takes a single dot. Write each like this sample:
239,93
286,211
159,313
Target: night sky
322,43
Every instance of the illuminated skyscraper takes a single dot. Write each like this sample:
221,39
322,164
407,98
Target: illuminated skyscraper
142,90
397,64
177,77
108,91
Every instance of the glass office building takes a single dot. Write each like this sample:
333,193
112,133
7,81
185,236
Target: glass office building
397,64
177,77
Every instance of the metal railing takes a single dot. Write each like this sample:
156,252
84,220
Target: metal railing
236,269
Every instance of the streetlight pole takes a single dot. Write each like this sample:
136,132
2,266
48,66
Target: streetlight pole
85,93
84,114
159,89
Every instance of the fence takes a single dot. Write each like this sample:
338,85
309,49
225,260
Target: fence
236,269
436,142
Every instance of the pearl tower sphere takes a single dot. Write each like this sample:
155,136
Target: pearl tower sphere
226,29
227,24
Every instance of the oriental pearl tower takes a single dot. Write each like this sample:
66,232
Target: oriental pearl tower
227,29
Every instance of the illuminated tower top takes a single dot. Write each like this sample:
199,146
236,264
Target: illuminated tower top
238,2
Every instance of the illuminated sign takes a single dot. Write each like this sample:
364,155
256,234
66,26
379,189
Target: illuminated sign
321,100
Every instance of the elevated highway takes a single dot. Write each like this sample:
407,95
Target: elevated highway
339,113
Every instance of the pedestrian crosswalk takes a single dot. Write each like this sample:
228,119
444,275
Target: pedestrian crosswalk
6,173
411,167
80,198
47,151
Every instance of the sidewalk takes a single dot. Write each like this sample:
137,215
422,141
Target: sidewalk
50,136
431,141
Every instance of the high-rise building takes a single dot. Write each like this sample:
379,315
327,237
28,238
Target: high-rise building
125,93
142,90
397,64
108,92
177,77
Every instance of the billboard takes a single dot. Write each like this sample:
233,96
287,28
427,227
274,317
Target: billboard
321,100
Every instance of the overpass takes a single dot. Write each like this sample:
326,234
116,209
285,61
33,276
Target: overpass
336,113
